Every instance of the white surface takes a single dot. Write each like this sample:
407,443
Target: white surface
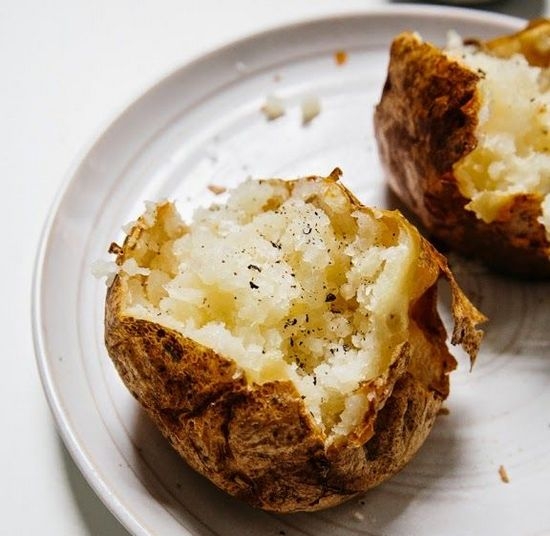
68,68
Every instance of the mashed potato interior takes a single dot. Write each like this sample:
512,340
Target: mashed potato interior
513,152
291,283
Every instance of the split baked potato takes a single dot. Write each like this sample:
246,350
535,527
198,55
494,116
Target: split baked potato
464,135
287,342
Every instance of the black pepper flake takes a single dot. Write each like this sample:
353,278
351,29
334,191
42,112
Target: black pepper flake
276,245
253,285
307,229
291,342
254,267
290,322
307,317
330,297
314,380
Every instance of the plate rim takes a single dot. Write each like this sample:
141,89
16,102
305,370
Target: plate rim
82,459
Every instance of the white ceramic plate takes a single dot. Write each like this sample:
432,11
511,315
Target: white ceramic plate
202,126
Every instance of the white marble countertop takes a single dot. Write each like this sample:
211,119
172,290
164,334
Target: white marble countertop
69,67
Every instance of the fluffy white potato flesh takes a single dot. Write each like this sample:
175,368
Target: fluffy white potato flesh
292,284
513,133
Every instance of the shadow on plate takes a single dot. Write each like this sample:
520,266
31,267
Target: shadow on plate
96,517
518,8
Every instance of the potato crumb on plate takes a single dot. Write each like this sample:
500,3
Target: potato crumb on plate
216,189
503,474
311,108
273,107
340,57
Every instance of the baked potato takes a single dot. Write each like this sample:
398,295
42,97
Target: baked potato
464,136
287,342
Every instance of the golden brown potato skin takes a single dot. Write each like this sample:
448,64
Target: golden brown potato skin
424,124
258,442
531,42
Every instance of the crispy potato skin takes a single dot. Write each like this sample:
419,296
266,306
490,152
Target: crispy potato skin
531,42
424,124
259,442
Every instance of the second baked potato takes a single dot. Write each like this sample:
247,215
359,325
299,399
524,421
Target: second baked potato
464,135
